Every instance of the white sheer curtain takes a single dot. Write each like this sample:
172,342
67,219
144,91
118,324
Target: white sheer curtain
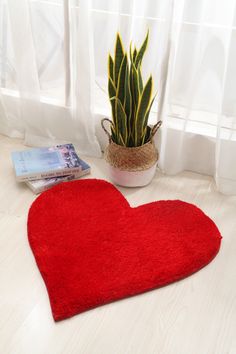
36,69
53,73
199,131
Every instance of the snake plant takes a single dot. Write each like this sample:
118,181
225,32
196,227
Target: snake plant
131,100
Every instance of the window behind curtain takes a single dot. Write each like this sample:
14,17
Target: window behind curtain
47,21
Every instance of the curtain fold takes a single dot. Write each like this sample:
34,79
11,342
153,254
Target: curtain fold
82,76
53,76
26,67
200,121
33,101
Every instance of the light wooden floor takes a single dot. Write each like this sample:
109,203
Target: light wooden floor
194,316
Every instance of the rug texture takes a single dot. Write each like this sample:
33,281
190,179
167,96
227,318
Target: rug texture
92,248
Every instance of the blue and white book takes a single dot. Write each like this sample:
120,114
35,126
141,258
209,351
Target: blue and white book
40,163
41,185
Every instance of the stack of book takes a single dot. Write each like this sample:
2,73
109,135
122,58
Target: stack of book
42,168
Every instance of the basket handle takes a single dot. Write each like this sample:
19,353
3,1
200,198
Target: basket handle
155,129
105,129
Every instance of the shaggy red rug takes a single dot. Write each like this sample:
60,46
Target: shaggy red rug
92,248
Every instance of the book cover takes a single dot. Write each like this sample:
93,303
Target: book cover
41,185
39,163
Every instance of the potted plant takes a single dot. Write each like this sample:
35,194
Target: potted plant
131,153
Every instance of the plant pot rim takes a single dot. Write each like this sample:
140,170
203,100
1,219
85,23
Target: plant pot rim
150,141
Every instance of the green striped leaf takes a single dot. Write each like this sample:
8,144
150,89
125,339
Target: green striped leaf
114,119
113,134
146,136
121,121
128,99
130,52
119,55
141,111
121,140
135,54
120,93
135,88
145,121
140,80
110,67
141,51
111,88
112,94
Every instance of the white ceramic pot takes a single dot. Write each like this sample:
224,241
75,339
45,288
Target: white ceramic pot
131,178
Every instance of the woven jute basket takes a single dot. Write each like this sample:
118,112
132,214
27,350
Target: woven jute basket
132,159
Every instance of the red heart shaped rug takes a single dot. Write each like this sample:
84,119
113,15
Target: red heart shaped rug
92,248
